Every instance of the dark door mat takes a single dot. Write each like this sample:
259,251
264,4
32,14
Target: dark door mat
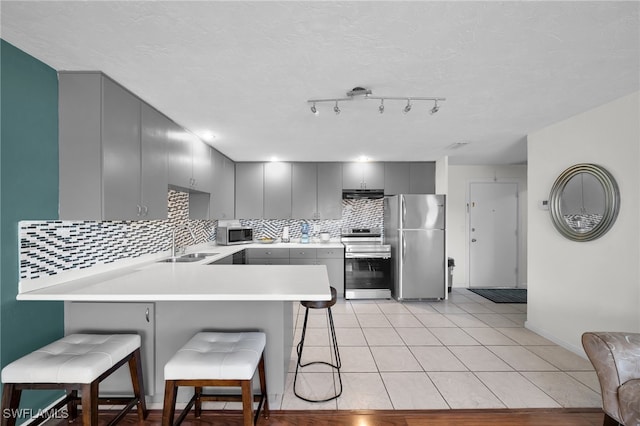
502,295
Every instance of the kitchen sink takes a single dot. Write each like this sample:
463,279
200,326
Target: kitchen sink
191,257
197,255
179,259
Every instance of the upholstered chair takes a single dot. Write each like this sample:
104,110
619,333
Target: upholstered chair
616,359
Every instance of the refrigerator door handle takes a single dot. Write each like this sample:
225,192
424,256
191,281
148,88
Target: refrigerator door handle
404,248
404,210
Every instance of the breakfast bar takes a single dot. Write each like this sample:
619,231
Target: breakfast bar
167,303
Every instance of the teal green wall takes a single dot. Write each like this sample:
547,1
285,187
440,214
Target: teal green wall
28,191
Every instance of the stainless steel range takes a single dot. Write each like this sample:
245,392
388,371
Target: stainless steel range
367,264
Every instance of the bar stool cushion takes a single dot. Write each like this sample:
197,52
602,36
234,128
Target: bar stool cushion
76,358
217,356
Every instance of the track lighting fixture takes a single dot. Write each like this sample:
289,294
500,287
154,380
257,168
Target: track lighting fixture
435,108
362,93
408,107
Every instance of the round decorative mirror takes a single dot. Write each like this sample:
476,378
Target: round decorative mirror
584,202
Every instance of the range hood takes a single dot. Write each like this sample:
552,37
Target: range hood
362,194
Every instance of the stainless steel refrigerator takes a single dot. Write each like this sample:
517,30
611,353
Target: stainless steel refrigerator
414,226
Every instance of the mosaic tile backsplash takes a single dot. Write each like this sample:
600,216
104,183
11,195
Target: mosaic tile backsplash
51,247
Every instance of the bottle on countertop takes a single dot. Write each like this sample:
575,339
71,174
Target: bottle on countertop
285,234
304,238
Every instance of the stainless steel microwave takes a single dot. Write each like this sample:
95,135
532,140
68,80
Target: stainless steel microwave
227,236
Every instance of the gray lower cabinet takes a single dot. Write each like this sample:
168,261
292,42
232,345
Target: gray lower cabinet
332,258
177,322
249,190
112,151
267,256
104,318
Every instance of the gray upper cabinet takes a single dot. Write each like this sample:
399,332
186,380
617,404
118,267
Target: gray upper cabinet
103,155
189,161
249,190
422,179
120,153
223,187
154,140
179,156
363,175
317,191
277,190
396,178
304,190
80,150
409,178
329,191
201,170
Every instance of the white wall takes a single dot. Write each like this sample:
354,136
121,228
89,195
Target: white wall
580,286
458,219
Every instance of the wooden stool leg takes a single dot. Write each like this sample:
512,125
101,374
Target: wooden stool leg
263,386
247,402
72,405
90,404
169,408
198,402
10,401
135,368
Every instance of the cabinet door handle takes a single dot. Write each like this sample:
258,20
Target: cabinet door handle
145,210
139,209
146,314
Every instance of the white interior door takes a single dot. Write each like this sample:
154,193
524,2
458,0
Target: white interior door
493,234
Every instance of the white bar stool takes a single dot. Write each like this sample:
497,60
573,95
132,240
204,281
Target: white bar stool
77,362
217,359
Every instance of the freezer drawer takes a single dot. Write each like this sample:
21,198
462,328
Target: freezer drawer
421,260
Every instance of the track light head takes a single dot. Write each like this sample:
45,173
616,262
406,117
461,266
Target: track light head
435,108
313,109
408,107
381,107
336,109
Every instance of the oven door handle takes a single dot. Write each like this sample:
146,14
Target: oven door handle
367,256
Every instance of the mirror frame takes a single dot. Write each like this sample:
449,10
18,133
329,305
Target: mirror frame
611,207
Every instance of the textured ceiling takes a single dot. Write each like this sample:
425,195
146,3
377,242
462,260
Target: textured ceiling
244,70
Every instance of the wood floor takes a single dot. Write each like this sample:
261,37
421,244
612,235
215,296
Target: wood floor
485,417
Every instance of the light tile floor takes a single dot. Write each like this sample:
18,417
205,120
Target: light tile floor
465,352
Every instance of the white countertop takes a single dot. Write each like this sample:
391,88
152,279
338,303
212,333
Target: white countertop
196,281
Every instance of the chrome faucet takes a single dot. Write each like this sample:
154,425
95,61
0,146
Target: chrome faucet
173,238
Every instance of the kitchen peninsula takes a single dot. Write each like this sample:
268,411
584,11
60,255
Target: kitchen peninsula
169,302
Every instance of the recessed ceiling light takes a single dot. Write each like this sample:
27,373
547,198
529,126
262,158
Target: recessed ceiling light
207,136
363,159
